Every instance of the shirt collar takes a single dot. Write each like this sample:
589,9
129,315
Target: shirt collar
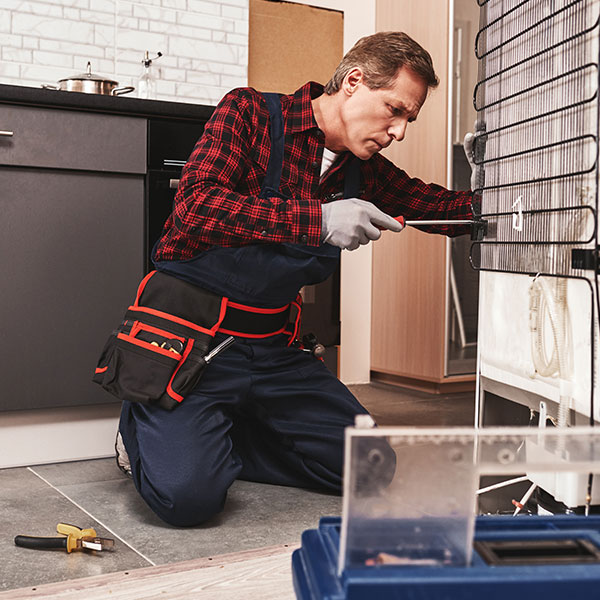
301,113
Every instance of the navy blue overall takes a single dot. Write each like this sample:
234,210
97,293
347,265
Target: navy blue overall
263,410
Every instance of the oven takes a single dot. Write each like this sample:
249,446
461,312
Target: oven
170,143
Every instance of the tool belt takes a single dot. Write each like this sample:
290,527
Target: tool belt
160,350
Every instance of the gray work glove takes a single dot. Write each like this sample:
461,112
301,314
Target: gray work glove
477,171
352,222
469,147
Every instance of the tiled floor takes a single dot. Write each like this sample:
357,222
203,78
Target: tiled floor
96,494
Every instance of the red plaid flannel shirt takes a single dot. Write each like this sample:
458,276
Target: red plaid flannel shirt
217,202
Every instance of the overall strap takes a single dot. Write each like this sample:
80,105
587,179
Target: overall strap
352,178
273,176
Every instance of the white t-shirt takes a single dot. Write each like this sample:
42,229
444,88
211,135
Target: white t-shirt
328,159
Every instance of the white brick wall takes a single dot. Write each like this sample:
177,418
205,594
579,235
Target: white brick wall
204,43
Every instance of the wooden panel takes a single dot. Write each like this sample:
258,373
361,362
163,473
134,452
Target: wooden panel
423,153
408,305
290,44
449,385
262,574
409,270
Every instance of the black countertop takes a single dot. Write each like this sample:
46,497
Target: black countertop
115,105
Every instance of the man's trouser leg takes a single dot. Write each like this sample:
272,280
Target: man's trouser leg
290,429
262,411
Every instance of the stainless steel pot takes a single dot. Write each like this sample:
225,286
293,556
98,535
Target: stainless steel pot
89,83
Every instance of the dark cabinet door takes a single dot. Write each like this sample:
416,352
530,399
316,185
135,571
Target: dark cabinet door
71,256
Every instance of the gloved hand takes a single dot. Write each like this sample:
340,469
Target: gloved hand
469,148
351,222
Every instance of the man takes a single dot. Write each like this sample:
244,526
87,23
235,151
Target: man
254,225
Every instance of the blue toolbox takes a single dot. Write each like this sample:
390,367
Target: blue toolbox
514,558
409,528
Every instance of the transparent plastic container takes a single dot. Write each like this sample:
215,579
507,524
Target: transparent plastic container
410,493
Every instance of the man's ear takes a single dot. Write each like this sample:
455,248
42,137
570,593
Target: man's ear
353,78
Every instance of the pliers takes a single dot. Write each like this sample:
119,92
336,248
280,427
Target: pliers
73,538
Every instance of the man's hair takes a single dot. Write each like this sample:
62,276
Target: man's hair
380,56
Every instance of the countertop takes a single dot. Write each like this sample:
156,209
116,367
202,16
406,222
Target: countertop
116,105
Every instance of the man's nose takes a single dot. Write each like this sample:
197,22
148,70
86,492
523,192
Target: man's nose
398,130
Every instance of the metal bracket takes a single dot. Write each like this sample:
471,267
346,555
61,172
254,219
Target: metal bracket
584,259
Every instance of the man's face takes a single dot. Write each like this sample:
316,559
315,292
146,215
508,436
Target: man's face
373,119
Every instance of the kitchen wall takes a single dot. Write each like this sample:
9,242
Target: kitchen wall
204,43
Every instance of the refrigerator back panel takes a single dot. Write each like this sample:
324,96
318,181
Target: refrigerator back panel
537,151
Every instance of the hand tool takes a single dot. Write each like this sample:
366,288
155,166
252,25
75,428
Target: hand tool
479,227
222,346
310,344
75,539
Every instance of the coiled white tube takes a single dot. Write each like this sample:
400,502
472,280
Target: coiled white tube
543,301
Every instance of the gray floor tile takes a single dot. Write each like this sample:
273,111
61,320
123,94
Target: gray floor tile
28,506
79,472
255,515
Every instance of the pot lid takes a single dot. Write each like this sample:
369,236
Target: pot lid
88,76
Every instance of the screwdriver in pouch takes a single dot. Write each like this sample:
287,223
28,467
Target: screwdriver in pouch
218,349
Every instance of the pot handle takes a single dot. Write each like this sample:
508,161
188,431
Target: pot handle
122,90
47,86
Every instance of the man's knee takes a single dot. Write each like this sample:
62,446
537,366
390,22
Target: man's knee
186,503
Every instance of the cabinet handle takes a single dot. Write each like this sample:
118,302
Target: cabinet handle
6,133
173,183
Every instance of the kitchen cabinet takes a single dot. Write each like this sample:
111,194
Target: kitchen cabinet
72,247
68,139
411,302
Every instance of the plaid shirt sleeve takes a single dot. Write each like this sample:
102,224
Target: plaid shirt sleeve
395,193
217,201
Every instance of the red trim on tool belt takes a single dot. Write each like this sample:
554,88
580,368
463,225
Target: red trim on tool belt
142,286
251,335
148,346
172,393
222,313
163,315
254,322
255,309
139,326
298,320
262,322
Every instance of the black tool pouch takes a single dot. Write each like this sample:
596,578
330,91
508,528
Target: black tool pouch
156,355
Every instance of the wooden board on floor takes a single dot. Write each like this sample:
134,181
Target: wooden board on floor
264,574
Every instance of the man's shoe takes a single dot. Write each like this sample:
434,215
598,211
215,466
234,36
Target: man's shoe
122,456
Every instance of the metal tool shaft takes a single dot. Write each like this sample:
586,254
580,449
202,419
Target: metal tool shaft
440,222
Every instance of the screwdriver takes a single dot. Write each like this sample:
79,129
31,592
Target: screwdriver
478,226
417,223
